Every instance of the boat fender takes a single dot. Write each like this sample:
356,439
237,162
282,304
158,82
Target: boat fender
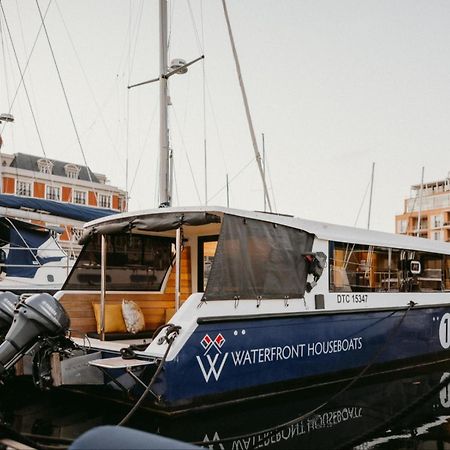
316,263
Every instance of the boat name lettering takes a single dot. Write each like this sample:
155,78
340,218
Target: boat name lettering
317,422
352,298
269,354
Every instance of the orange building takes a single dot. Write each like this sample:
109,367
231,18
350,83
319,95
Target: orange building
24,175
433,207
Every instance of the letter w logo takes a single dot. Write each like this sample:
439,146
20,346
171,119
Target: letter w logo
212,366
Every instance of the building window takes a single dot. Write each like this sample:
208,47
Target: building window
72,171
402,226
52,193
79,197
436,221
436,235
104,201
23,188
45,166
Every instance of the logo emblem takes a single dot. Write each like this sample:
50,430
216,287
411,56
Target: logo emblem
212,365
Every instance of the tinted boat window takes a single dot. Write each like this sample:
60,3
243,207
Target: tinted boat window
367,268
134,262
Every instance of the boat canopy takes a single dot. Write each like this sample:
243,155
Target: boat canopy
155,223
257,259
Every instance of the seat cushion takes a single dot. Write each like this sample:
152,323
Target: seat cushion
114,322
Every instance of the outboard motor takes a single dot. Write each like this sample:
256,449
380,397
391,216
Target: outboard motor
38,316
8,302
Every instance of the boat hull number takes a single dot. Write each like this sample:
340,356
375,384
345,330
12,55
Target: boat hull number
444,331
352,298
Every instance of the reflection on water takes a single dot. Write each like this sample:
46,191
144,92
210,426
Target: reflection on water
401,410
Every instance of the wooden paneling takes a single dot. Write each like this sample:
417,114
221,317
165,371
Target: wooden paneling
155,307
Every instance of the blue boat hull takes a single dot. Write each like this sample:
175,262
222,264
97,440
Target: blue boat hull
232,358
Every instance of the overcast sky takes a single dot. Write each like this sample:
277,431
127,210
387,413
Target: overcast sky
333,85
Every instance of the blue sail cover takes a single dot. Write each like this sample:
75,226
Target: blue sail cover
75,212
23,247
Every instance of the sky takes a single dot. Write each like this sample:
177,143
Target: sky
335,86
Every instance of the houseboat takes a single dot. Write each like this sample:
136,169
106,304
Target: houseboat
240,305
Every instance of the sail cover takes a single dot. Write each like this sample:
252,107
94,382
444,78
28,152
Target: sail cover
25,242
71,211
258,260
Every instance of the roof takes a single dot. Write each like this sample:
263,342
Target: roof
30,162
321,230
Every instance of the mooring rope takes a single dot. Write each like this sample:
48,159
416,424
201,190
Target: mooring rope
313,411
171,333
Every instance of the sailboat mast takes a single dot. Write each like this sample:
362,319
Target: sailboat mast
164,158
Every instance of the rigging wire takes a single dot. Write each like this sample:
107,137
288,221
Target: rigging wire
22,74
231,179
187,155
4,64
144,146
86,79
65,96
22,80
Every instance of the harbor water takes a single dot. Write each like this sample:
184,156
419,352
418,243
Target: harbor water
399,410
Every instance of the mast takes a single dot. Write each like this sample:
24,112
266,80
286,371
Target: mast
246,106
164,166
420,203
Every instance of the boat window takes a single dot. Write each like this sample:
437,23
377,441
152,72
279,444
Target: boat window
134,262
206,250
366,268
446,273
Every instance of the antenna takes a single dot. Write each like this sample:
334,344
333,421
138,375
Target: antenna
420,203
370,198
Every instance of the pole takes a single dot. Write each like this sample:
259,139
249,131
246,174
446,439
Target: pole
177,269
164,171
228,192
206,172
370,198
420,203
264,167
102,287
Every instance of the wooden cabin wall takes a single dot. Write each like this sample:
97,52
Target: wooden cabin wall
158,308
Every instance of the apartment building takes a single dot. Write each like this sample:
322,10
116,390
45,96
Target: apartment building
27,177
432,205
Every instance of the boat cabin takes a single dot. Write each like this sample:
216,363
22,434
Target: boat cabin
159,258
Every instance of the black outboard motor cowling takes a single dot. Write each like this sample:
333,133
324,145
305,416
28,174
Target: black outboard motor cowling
38,315
8,302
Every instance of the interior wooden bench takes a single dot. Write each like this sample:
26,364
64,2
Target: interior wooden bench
157,308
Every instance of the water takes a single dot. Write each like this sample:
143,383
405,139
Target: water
399,410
